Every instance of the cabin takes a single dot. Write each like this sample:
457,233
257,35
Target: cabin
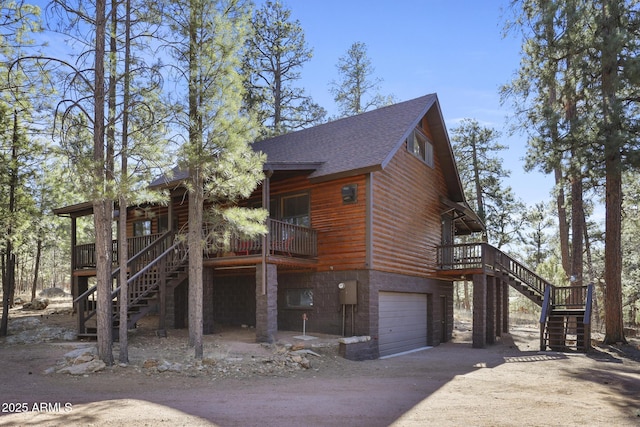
364,213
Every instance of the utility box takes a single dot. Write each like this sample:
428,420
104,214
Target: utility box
348,292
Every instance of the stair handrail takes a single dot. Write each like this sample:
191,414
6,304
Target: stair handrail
83,313
131,260
522,272
588,304
544,315
149,266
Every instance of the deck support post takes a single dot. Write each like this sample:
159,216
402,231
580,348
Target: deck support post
479,310
266,303
499,312
491,310
505,307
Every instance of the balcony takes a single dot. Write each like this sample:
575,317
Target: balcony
284,240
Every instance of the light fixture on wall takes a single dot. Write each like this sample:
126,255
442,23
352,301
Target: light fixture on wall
350,193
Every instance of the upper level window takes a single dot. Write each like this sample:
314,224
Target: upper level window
295,209
420,146
290,208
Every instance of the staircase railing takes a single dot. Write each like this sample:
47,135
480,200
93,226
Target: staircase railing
565,302
86,303
544,316
146,281
485,256
587,317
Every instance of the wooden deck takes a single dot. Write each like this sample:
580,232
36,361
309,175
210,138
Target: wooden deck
287,245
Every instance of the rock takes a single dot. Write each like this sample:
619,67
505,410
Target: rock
49,371
36,304
354,340
305,363
208,361
84,358
18,301
87,352
25,323
305,351
52,293
83,368
150,363
296,347
168,366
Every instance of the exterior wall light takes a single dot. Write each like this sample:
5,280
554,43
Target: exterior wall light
350,193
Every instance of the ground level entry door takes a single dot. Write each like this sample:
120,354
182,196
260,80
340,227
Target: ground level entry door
402,322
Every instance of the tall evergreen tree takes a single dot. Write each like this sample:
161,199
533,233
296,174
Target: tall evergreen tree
476,152
579,77
222,166
20,152
356,91
275,53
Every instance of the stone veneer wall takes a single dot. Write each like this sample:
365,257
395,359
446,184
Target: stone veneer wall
231,300
326,314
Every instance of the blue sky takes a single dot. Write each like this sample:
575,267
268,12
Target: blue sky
453,48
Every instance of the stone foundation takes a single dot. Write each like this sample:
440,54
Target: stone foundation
358,348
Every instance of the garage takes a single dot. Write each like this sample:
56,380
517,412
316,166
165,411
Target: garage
402,322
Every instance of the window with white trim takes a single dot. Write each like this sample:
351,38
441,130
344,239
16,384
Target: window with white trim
420,146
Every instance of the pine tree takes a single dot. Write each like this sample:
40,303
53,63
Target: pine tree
221,164
356,91
475,149
275,54
20,152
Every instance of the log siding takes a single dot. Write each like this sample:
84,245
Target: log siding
406,215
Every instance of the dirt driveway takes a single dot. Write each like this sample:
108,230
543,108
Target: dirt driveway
506,384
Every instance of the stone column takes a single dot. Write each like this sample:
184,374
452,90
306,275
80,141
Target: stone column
207,300
505,307
267,302
479,310
491,310
499,312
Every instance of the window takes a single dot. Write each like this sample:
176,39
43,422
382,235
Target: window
295,209
299,298
163,223
290,208
142,228
420,146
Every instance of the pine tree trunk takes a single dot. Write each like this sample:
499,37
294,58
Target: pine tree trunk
36,268
196,199
103,214
614,328
563,228
102,206
611,133
123,298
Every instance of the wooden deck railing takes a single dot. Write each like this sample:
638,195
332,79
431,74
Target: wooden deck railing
85,255
486,257
283,239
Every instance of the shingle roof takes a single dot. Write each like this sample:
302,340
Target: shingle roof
351,145
355,145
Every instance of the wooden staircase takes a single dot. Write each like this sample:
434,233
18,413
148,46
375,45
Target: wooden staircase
565,319
157,268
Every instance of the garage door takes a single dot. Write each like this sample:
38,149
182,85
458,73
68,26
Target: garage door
402,322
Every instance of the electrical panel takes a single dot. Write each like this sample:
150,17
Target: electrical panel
349,292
